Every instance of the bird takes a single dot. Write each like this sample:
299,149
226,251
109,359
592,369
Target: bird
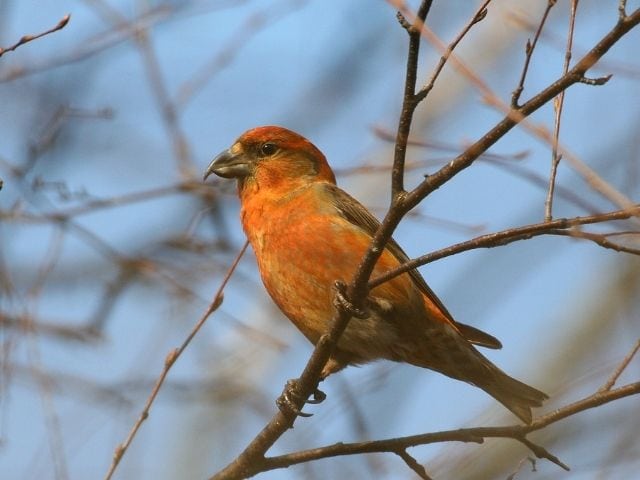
307,233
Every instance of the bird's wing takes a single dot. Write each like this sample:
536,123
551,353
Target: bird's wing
358,215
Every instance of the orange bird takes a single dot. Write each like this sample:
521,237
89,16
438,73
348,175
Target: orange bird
307,233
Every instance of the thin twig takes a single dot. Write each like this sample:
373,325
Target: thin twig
409,100
504,237
542,452
29,38
503,161
477,17
413,464
622,9
517,116
558,105
596,238
170,359
558,42
611,381
528,53
92,45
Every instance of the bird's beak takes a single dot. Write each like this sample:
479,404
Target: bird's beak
229,165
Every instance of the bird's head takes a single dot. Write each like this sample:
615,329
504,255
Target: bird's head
272,157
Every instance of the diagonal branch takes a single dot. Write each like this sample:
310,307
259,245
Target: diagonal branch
618,371
413,464
477,17
29,38
516,115
541,452
170,360
559,226
529,49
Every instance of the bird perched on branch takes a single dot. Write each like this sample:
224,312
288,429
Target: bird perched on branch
307,233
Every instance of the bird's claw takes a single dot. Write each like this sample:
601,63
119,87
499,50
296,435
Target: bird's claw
340,301
318,397
291,396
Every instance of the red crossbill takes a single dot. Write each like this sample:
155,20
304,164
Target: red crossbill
307,233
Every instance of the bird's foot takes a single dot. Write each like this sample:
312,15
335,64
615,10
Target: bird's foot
340,301
291,396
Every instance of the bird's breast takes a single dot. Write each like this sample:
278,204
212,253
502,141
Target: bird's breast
301,250
303,245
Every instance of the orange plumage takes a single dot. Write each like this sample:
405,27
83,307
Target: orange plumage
307,233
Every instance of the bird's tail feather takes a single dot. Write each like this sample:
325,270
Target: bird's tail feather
513,394
449,353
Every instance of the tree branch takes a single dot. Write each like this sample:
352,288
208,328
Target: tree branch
29,38
170,360
466,435
516,115
558,106
409,101
505,237
413,464
529,48
477,17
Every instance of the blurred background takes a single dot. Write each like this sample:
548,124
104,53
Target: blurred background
111,247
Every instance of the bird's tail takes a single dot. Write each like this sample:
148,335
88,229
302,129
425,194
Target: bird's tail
461,361
513,394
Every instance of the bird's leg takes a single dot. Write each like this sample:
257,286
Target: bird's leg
291,395
288,401
340,301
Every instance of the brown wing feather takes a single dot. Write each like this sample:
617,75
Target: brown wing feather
358,215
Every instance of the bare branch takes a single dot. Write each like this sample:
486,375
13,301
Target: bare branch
542,452
622,9
618,371
503,161
596,238
92,45
474,435
477,17
170,359
29,38
409,101
515,116
413,464
558,105
528,50
504,237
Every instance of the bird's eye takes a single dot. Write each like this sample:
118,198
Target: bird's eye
267,149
